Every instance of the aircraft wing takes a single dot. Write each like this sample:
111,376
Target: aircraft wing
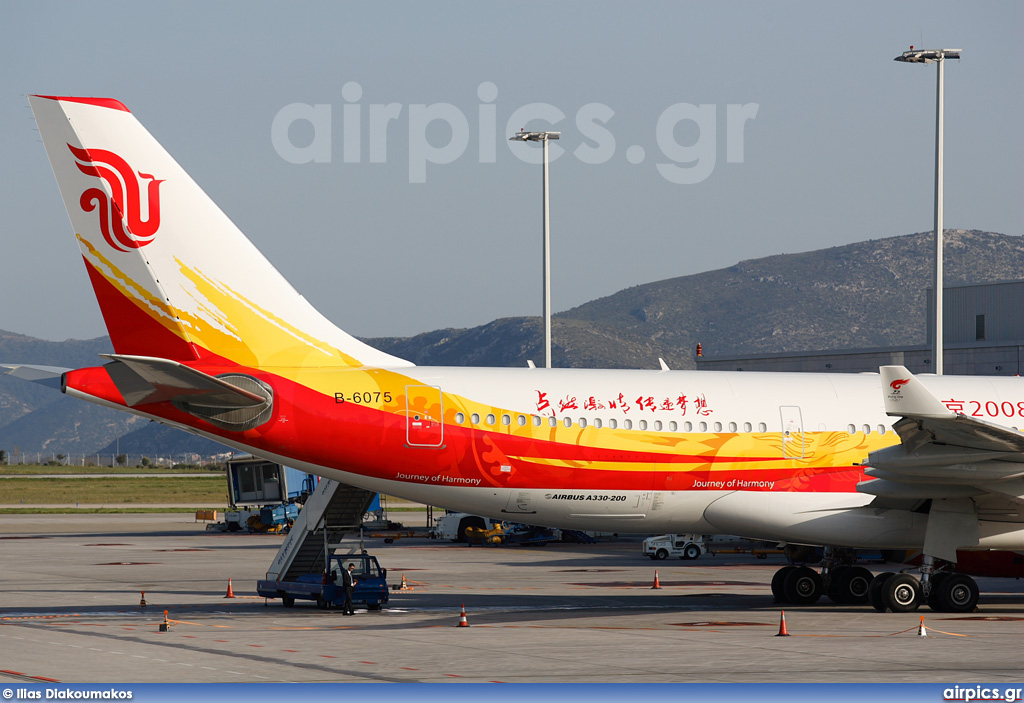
143,379
944,454
926,420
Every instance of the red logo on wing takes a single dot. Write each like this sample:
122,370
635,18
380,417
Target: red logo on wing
120,211
899,383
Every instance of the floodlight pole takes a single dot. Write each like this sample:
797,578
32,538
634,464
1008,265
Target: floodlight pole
543,138
939,283
937,56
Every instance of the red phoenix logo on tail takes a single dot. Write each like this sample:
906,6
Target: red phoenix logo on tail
120,211
899,383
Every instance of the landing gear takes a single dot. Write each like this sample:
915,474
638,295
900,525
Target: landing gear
849,585
954,593
875,591
779,584
902,593
802,586
846,584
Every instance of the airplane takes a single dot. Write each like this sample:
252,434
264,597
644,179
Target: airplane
210,338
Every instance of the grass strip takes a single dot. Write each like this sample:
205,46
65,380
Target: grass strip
183,490
97,511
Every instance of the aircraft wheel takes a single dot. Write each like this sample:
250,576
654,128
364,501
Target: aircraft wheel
661,554
935,597
958,593
850,585
692,551
902,593
779,583
875,589
835,592
803,586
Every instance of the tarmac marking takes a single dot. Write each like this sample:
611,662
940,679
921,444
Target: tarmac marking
201,624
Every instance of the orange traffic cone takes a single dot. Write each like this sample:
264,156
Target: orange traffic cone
165,624
404,586
462,618
921,631
657,583
142,602
783,632
231,591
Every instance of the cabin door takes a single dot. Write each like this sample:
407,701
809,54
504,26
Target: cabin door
792,432
424,413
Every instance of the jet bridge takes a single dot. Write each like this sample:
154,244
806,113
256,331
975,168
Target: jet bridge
331,510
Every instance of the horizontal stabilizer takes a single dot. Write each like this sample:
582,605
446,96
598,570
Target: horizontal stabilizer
142,379
45,375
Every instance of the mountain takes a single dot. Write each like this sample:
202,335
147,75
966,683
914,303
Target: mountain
868,294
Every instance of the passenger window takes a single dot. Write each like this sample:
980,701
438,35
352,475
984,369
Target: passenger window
506,420
521,419
673,426
583,422
761,427
567,422
703,427
687,426
881,429
642,424
613,423
475,418
460,418
627,424
747,427
490,419
597,422
867,429
657,425
718,427
851,429
537,420
552,422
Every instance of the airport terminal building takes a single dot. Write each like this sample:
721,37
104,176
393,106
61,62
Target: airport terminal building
983,330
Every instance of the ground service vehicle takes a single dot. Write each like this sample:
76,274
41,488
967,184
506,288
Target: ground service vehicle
686,546
371,585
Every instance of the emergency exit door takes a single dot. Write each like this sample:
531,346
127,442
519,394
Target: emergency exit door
792,432
424,411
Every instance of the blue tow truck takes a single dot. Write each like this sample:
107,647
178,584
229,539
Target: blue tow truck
371,585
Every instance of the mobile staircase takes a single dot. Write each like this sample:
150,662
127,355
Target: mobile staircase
330,511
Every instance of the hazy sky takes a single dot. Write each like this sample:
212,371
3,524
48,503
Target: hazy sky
433,219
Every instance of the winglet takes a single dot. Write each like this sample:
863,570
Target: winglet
904,395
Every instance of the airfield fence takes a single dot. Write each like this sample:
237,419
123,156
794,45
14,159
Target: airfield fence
215,461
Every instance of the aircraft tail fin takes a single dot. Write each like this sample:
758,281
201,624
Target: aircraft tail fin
174,277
